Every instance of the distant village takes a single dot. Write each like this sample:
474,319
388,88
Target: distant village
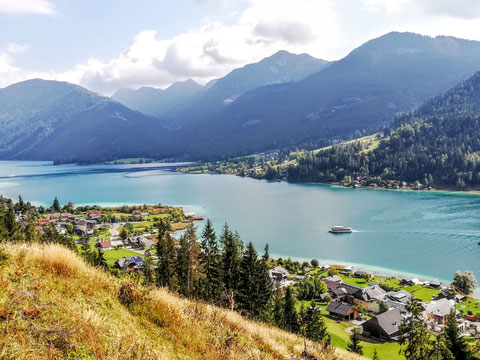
120,231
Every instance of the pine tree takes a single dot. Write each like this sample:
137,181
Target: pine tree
231,258
188,262
210,261
248,282
99,260
354,344
56,205
31,235
439,349
316,327
10,223
166,254
290,316
148,271
414,337
278,310
456,343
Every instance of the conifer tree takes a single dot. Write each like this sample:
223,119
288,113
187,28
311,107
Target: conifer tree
290,316
414,337
99,260
188,262
354,344
248,295
56,205
148,271
231,258
375,355
439,349
456,343
10,223
316,328
210,261
166,254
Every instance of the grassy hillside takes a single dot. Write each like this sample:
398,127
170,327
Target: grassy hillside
54,306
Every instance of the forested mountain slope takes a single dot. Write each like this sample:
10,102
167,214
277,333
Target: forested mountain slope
438,143
50,120
358,94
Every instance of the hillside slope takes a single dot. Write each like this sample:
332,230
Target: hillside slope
356,95
54,306
51,120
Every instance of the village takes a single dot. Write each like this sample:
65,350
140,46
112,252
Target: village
122,233
376,305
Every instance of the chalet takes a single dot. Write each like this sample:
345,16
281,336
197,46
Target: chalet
435,284
139,242
136,212
437,312
104,245
359,274
43,221
131,263
278,275
367,297
384,326
342,310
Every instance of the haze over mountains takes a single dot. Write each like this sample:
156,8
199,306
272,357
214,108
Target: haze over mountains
283,101
42,119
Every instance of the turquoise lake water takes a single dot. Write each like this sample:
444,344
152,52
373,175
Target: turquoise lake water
428,234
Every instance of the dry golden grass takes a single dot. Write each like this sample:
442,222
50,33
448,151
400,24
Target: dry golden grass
54,306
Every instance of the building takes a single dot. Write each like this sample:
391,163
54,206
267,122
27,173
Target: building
278,275
95,214
435,284
131,263
342,310
395,299
437,312
384,326
104,245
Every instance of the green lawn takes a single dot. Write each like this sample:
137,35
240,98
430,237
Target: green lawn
113,255
340,339
422,293
470,305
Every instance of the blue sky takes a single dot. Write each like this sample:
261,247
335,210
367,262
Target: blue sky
108,44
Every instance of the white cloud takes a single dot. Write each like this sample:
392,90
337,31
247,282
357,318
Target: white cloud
26,7
467,9
326,29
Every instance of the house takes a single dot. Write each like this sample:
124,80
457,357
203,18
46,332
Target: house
136,212
189,215
67,216
129,263
342,310
39,228
278,275
43,221
54,217
359,274
332,282
446,294
437,311
384,326
139,242
95,214
435,284
395,299
104,245
369,297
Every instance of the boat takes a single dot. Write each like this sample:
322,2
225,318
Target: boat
340,229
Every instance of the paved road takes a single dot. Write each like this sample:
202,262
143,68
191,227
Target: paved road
114,232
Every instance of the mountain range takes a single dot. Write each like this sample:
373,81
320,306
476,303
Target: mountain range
283,101
50,120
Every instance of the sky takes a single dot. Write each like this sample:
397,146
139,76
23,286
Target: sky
105,45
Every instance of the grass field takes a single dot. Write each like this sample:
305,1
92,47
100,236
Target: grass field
422,293
470,305
113,255
340,338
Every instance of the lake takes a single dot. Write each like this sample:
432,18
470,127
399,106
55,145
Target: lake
428,234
